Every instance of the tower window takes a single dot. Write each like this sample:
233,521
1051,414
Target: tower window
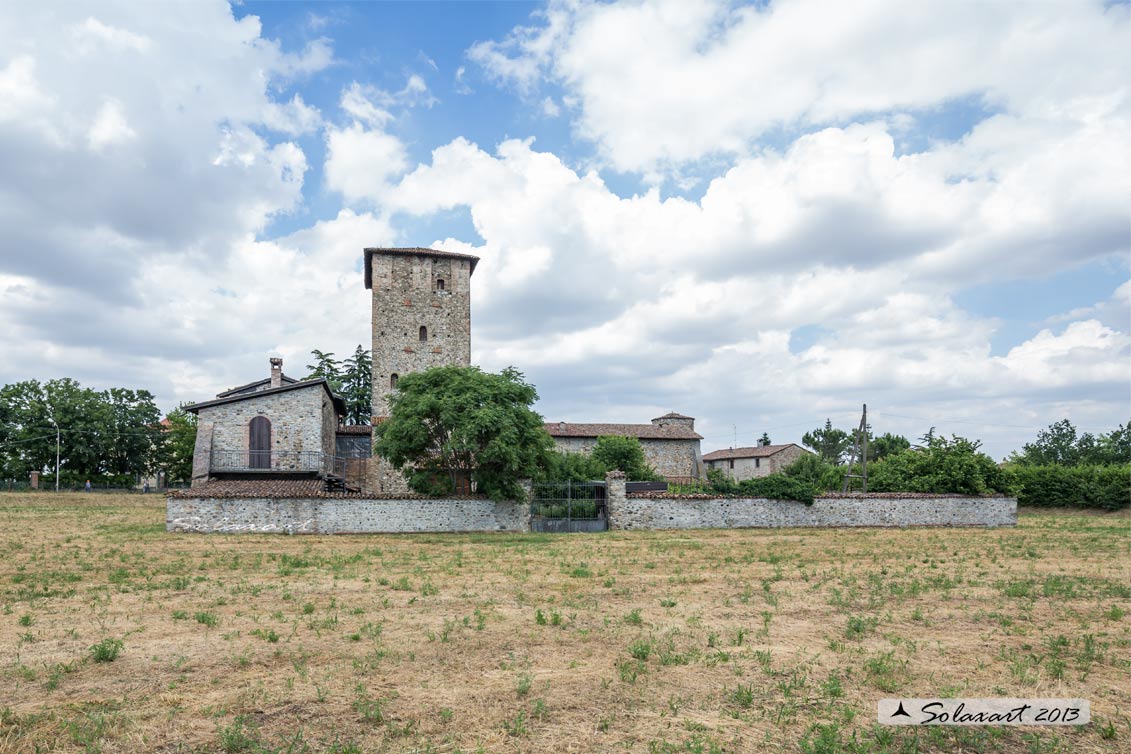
423,333
439,284
393,381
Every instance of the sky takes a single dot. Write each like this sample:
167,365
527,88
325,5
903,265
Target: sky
761,215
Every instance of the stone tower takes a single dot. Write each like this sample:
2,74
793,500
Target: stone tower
421,314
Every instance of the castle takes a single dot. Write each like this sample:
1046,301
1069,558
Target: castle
280,429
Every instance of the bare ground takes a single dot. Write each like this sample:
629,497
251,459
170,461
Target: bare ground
702,641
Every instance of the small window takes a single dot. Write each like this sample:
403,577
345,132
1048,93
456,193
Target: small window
757,463
393,381
439,284
423,333
732,463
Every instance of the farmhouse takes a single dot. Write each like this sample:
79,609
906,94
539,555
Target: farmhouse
274,427
747,463
670,442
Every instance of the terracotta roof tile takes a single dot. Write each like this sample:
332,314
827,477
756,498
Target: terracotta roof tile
355,429
641,431
279,489
762,451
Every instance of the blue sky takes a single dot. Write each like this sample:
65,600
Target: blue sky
762,215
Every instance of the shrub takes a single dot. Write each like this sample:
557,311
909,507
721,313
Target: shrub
944,467
778,487
1055,486
625,454
815,470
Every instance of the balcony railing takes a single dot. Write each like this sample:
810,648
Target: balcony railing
305,461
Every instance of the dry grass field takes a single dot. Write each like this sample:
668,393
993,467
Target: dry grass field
117,637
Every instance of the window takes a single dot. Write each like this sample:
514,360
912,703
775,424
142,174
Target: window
393,381
732,463
439,284
423,333
757,463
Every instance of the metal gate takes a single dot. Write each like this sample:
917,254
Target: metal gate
569,506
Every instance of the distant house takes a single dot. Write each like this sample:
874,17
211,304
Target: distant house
274,427
747,463
670,442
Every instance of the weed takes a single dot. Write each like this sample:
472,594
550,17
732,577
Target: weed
633,618
207,619
106,650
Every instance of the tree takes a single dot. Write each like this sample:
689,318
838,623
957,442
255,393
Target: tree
325,366
764,440
133,431
829,443
885,445
571,467
180,442
624,454
944,466
1061,445
357,387
815,470
451,421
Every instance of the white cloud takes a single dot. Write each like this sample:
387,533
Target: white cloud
293,118
110,127
550,108
667,82
360,162
92,35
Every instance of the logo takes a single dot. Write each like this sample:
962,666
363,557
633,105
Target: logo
984,711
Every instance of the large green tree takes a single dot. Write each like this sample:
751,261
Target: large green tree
828,442
452,422
113,431
1060,444
352,379
179,444
625,454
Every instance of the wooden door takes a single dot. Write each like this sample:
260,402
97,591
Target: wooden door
259,443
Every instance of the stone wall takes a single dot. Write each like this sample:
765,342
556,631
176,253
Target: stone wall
855,510
671,458
298,420
406,297
345,515
749,468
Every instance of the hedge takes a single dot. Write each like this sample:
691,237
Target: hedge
1106,487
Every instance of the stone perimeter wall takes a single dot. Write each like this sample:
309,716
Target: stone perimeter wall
342,515
728,513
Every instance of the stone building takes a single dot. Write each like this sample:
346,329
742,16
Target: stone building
272,427
670,442
421,319
747,463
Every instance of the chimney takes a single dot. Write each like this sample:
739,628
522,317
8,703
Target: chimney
276,372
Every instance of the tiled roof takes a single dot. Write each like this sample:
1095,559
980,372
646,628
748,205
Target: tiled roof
414,251
355,429
339,404
280,489
251,385
674,415
762,451
641,431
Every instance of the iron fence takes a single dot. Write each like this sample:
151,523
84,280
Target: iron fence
573,500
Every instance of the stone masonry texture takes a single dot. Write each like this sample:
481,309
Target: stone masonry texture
301,420
671,458
732,513
343,515
407,295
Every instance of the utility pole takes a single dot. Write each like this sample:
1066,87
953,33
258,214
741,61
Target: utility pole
56,453
859,450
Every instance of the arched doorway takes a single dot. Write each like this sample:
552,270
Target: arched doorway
259,443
